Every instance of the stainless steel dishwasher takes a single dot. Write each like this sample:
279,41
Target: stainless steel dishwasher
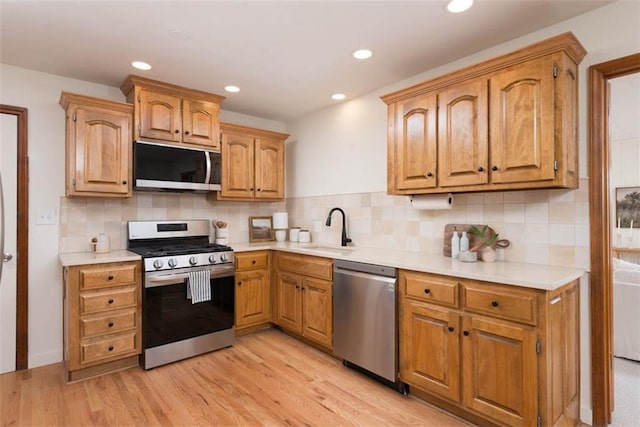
365,332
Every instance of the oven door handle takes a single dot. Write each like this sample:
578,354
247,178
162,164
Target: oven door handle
174,278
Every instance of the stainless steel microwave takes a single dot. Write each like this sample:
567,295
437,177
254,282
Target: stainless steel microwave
172,168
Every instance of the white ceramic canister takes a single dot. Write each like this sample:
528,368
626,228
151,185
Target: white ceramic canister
294,232
304,236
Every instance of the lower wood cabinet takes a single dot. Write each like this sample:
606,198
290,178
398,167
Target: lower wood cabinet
102,318
304,296
506,354
252,290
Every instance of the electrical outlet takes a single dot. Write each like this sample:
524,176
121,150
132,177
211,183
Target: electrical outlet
45,216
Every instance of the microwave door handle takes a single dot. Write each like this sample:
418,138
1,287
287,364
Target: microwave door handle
207,178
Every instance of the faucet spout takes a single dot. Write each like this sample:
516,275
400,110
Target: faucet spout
345,239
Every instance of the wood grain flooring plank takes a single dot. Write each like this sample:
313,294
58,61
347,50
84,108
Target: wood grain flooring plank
266,379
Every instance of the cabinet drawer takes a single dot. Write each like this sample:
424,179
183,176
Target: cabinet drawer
430,288
115,322
502,302
313,266
94,302
108,276
111,347
251,260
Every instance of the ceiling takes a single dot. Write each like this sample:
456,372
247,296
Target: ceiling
287,57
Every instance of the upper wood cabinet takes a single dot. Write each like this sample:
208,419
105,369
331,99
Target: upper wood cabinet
252,163
504,124
173,114
98,146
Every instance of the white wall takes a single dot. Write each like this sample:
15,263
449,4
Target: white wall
40,93
329,147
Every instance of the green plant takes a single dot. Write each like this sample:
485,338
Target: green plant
486,239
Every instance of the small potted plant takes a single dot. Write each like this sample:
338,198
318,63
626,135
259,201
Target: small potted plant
485,243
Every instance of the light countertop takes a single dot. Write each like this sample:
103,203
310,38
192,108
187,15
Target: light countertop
535,276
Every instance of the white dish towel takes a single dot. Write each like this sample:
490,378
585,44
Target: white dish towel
199,286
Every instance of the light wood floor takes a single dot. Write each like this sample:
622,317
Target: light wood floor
266,378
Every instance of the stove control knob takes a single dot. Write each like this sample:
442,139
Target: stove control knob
212,259
172,263
193,260
224,258
157,264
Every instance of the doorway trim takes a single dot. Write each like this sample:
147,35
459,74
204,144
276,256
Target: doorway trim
22,241
600,223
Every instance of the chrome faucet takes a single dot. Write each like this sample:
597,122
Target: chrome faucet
345,239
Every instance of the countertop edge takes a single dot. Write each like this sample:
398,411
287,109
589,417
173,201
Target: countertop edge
85,258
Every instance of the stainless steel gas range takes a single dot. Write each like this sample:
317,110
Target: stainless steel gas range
188,298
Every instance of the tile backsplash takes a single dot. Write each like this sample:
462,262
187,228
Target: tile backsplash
544,226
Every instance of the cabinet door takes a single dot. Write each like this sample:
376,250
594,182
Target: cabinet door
160,116
102,146
269,169
289,301
237,166
252,297
416,143
500,370
522,123
200,123
429,349
317,304
463,134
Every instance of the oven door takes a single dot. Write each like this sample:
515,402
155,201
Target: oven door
169,316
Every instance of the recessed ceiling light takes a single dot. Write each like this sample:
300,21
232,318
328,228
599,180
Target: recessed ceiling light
362,54
141,65
231,88
456,6
338,96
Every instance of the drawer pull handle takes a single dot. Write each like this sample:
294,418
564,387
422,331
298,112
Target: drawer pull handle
494,303
110,301
110,348
465,333
111,324
451,329
429,174
253,262
427,291
110,277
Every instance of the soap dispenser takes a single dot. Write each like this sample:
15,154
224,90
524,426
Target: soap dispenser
464,242
455,245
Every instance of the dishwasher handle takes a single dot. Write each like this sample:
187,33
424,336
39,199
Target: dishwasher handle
376,270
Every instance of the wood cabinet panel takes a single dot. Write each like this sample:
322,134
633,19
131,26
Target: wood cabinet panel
160,116
431,288
93,302
98,146
238,170
95,277
511,304
269,169
416,149
463,134
289,301
251,260
108,323
317,310
321,268
252,302
500,370
201,123
109,348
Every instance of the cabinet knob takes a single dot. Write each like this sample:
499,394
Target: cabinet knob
427,291
110,301
494,303
124,182
177,131
253,262
251,189
186,132
110,348
429,174
451,328
465,333
110,277
110,324
259,189
480,169
239,283
494,168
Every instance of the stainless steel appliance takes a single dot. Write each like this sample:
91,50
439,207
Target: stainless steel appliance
172,168
364,320
175,255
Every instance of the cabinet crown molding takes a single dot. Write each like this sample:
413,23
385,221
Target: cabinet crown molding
565,42
255,132
67,98
157,86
